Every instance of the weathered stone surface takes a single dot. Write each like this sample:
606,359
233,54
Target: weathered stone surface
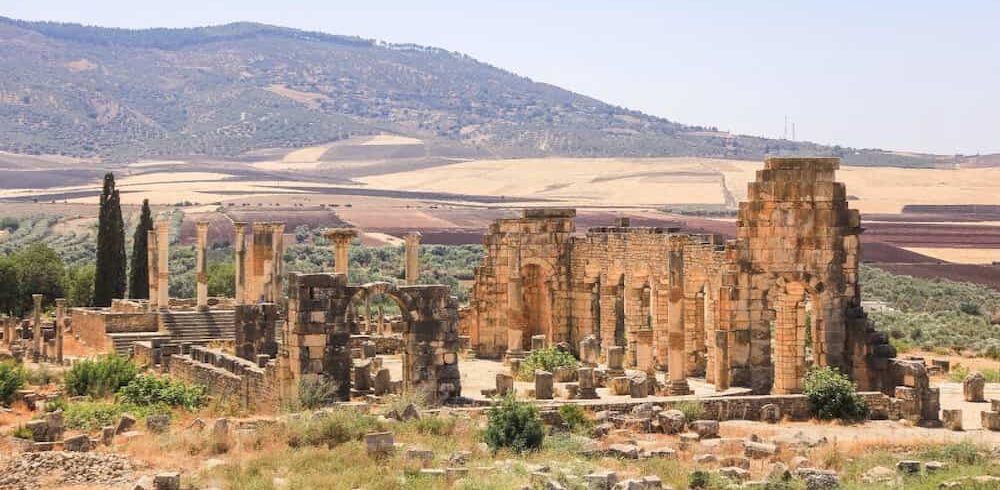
601,480
638,384
158,423
221,439
879,474
705,429
672,421
167,481
410,412
80,443
504,384
952,418
933,466
624,451
760,450
734,473
422,457
125,423
822,481
383,382
543,385
908,466
107,435
619,385
379,444
973,387
991,420
770,413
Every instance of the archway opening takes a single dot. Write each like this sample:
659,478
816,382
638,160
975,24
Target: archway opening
537,304
620,339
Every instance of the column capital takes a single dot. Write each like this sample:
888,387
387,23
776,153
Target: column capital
340,234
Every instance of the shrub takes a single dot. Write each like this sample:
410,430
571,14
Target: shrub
22,432
147,389
42,376
698,479
547,359
92,415
833,395
332,429
514,425
691,409
317,392
12,378
100,377
435,425
575,418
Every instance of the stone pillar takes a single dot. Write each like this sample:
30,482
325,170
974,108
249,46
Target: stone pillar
239,259
543,385
616,361
277,261
153,267
163,268
201,266
60,328
676,376
340,239
412,257
36,317
585,378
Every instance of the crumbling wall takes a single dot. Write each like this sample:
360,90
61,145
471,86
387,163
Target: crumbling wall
255,387
255,334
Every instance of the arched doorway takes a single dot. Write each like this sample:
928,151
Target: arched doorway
536,300
794,332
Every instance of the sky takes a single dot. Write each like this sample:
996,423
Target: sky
902,75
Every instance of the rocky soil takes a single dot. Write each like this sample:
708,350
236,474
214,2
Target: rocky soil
38,470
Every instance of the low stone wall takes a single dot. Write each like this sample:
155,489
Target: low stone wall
793,407
192,303
228,377
91,325
385,345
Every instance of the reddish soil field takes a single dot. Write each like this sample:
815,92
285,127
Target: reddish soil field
934,235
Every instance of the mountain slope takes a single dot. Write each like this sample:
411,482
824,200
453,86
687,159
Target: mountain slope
224,91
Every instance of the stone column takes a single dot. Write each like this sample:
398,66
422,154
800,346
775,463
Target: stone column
676,377
201,266
36,316
340,239
163,268
412,257
153,266
277,261
239,257
60,328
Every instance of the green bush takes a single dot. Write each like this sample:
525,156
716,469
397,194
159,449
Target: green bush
575,418
514,425
547,359
317,392
833,395
332,428
92,415
691,409
12,378
101,377
699,479
22,432
147,389
42,376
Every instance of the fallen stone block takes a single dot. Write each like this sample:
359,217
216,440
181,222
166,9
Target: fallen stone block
378,444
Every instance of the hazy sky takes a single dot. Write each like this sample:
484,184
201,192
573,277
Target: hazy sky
909,75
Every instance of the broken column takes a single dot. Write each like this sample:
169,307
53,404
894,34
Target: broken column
60,328
590,349
201,266
239,257
163,267
543,385
153,267
537,342
616,361
973,386
277,262
37,326
504,384
340,239
412,257
585,379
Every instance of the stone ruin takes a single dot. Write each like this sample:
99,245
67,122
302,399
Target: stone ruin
755,311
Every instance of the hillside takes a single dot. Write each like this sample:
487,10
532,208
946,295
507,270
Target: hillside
228,90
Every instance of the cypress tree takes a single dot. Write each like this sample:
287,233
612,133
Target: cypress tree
109,277
138,279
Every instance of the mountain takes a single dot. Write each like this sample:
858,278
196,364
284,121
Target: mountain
225,91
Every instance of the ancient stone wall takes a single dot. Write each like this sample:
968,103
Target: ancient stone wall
255,330
254,387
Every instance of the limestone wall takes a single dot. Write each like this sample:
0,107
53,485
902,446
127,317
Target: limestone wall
91,325
228,377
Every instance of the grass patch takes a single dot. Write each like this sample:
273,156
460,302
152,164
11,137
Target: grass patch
331,429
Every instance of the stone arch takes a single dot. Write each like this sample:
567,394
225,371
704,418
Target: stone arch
789,299
537,301
381,288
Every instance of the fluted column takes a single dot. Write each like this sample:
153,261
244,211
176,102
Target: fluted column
412,257
163,267
201,265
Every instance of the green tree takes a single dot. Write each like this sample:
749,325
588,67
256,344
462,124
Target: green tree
222,280
39,271
138,279
10,291
109,279
80,285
